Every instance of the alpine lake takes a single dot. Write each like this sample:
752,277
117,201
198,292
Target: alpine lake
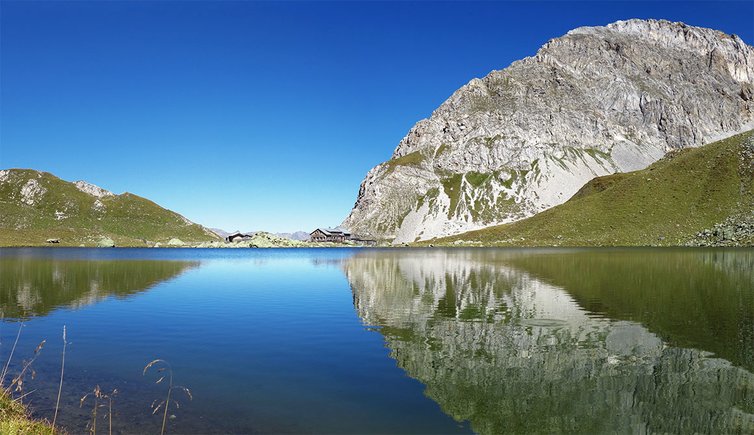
626,340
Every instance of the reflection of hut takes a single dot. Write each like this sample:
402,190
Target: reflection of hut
237,237
328,235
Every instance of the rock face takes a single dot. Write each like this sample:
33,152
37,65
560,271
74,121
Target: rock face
92,189
596,101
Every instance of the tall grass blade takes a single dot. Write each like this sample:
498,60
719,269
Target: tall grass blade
60,386
10,357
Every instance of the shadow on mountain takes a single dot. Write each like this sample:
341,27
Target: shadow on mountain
508,351
32,286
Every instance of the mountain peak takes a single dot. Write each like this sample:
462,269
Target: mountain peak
596,101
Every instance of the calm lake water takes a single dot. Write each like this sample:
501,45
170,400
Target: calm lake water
398,341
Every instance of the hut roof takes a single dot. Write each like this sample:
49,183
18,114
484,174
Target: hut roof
331,232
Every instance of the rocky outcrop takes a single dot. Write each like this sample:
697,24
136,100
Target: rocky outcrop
92,189
596,101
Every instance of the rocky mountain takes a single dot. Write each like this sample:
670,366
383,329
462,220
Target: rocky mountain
696,196
597,101
37,206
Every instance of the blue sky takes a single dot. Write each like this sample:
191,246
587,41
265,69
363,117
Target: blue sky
260,115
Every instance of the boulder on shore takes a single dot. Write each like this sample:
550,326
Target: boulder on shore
106,242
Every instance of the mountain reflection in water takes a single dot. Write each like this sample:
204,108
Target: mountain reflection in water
35,285
583,340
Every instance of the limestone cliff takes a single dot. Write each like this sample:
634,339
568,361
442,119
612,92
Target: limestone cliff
596,101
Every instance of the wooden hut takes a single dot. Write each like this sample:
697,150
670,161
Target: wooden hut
328,235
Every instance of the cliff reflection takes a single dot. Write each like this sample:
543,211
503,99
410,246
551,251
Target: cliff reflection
692,298
31,286
511,351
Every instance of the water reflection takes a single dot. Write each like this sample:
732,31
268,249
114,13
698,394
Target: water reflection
692,298
34,285
578,341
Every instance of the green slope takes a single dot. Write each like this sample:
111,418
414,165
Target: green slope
36,206
668,203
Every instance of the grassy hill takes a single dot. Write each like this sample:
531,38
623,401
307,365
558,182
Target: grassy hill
37,206
697,196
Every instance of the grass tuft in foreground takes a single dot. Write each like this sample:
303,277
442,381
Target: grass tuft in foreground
15,419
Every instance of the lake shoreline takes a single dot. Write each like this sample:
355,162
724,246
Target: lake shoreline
418,245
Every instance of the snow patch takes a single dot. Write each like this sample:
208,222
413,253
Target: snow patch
4,175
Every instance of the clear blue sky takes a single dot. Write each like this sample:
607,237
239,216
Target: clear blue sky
253,115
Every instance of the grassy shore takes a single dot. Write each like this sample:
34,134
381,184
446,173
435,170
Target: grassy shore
15,419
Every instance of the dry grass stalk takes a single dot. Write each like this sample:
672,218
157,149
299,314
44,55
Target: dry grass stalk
110,408
96,395
165,404
60,387
18,382
99,397
4,373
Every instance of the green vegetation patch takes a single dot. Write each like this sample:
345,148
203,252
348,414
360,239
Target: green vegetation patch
477,179
415,158
484,212
428,197
452,187
599,184
15,419
442,149
597,154
516,175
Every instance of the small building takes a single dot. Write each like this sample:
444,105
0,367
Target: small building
237,237
53,240
328,235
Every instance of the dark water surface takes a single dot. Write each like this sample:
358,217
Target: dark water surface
380,340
